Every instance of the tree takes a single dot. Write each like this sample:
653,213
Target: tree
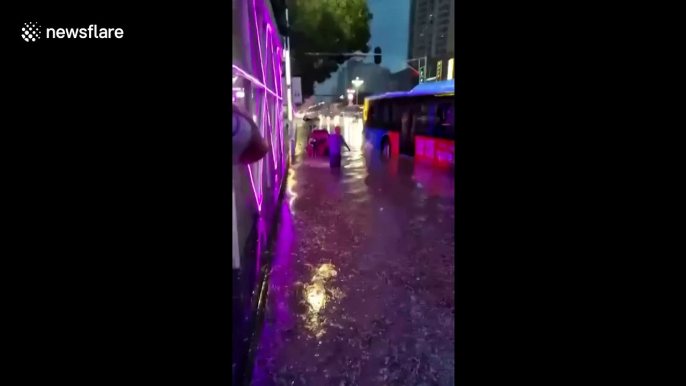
331,26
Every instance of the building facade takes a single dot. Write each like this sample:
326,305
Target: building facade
403,80
432,30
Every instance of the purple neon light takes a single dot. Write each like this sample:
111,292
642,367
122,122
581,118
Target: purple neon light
263,72
258,201
259,45
279,90
277,93
268,32
276,87
265,106
280,72
268,20
254,81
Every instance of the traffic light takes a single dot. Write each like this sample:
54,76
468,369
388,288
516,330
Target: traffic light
421,74
377,55
439,70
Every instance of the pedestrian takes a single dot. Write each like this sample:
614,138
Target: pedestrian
248,145
336,143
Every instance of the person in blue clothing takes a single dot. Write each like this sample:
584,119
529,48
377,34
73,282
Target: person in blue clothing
336,143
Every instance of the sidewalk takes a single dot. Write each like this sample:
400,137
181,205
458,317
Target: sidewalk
361,290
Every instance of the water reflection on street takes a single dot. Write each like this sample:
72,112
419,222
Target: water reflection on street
361,290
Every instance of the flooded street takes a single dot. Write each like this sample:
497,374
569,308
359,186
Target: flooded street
361,289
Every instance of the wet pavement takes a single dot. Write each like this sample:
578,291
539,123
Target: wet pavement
361,288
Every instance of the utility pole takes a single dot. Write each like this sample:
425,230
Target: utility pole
357,82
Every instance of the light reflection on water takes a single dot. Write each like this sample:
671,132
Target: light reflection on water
385,197
352,132
317,298
290,184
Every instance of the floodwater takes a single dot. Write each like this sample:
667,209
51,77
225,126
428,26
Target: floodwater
361,290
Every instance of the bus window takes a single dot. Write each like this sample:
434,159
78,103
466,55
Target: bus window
371,115
445,114
385,114
422,118
397,115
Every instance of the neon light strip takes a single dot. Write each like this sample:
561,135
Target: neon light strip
254,192
263,72
268,32
259,45
268,18
277,93
261,163
253,80
277,59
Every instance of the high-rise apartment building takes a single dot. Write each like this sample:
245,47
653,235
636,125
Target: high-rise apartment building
432,25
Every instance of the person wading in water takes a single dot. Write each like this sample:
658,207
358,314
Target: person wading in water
336,143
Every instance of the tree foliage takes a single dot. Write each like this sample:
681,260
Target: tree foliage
329,26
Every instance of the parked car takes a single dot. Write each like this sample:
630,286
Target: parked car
318,143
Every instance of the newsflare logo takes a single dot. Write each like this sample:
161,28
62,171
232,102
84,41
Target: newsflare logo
32,31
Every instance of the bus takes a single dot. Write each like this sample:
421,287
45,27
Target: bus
419,123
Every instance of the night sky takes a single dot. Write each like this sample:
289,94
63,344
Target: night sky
390,30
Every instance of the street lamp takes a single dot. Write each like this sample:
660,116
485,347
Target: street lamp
357,82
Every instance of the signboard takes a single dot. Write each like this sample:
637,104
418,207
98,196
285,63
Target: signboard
297,90
394,137
439,69
437,151
445,152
